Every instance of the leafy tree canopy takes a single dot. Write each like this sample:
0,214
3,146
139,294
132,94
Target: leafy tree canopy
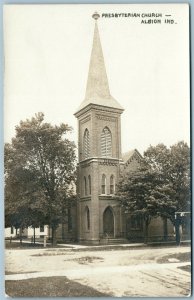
161,185
174,165
39,172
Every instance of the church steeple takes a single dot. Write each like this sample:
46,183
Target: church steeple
97,84
99,153
97,89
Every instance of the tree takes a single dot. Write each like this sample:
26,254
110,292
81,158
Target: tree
174,165
143,193
160,186
39,171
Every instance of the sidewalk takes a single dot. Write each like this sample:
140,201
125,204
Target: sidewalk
79,246
76,273
103,246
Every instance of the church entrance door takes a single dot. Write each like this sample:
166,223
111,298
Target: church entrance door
108,222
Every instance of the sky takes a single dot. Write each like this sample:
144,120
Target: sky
47,52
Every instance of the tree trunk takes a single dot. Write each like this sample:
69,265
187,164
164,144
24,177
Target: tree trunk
63,231
146,231
20,233
63,223
34,235
165,229
177,232
54,238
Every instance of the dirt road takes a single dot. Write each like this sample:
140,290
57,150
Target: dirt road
128,272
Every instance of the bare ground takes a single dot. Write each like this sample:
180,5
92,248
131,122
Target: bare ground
127,272
54,287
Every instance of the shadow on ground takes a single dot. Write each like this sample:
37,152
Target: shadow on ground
50,287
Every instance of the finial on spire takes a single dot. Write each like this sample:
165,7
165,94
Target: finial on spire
95,16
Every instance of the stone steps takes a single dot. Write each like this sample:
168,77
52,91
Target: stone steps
113,241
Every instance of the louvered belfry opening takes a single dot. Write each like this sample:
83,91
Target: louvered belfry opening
86,144
106,143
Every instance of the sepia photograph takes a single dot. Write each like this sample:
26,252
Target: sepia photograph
97,152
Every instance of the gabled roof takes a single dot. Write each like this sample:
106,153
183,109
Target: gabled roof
129,154
97,90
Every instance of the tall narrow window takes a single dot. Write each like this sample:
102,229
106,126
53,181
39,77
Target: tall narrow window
106,143
87,218
103,185
86,144
85,186
112,185
89,185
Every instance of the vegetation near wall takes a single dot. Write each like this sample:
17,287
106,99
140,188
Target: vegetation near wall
160,186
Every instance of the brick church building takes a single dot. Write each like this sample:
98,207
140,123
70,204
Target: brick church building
100,159
98,215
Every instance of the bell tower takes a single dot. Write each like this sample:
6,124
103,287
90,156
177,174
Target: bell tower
99,158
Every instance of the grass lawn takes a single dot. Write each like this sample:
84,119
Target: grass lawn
26,245
49,287
17,245
182,257
186,268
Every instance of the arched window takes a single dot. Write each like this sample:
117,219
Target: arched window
103,185
112,185
86,144
89,185
85,186
106,143
87,218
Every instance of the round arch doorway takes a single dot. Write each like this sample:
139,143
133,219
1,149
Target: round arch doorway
108,222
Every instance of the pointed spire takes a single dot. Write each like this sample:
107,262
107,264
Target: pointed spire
97,84
97,89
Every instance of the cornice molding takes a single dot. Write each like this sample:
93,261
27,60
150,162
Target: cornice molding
85,119
106,118
100,161
98,108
